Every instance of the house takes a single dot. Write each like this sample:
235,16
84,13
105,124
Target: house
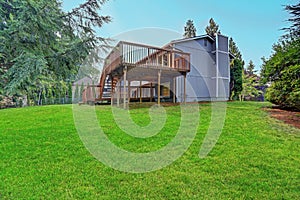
185,70
209,75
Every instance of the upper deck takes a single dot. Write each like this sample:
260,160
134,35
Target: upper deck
143,62
145,56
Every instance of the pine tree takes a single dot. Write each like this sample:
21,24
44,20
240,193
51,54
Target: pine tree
76,94
189,29
236,80
213,28
250,86
250,68
70,93
294,11
234,50
236,70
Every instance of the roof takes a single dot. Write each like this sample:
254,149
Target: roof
196,38
193,38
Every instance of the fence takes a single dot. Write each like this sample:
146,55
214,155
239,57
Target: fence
42,102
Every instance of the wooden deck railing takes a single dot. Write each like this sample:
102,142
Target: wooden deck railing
132,54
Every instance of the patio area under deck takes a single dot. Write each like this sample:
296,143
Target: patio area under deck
134,68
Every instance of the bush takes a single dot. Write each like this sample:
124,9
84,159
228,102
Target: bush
285,91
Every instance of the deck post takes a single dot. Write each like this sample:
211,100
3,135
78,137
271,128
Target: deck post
129,91
151,92
173,60
141,100
118,92
158,87
111,91
184,88
174,90
124,88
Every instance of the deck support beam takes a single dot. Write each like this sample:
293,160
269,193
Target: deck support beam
124,87
118,89
151,92
184,88
129,91
141,100
158,87
111,90
174,90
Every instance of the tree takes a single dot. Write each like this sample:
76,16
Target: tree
250,86
250,68
282,68
236,70
294,11
41,45
236,79
81,91
212,29
282,71
189,29
76,94
234,50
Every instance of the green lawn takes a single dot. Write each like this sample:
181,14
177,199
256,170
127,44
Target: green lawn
42,157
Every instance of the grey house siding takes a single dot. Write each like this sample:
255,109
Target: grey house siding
222,54
208,79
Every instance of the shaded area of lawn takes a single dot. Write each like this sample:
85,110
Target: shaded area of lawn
42,156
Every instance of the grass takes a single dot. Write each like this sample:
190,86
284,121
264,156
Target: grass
42,157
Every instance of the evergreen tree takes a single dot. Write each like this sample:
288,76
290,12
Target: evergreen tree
189,29
76,94
236,70
213,28
81,91
234,50
39,40
282,69
236,79
250,68
70,93
294,11
250,86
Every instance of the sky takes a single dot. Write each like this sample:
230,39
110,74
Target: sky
253,24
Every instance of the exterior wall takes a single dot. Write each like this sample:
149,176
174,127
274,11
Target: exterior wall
208,79
223,66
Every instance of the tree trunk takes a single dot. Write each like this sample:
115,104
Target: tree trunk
39,100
